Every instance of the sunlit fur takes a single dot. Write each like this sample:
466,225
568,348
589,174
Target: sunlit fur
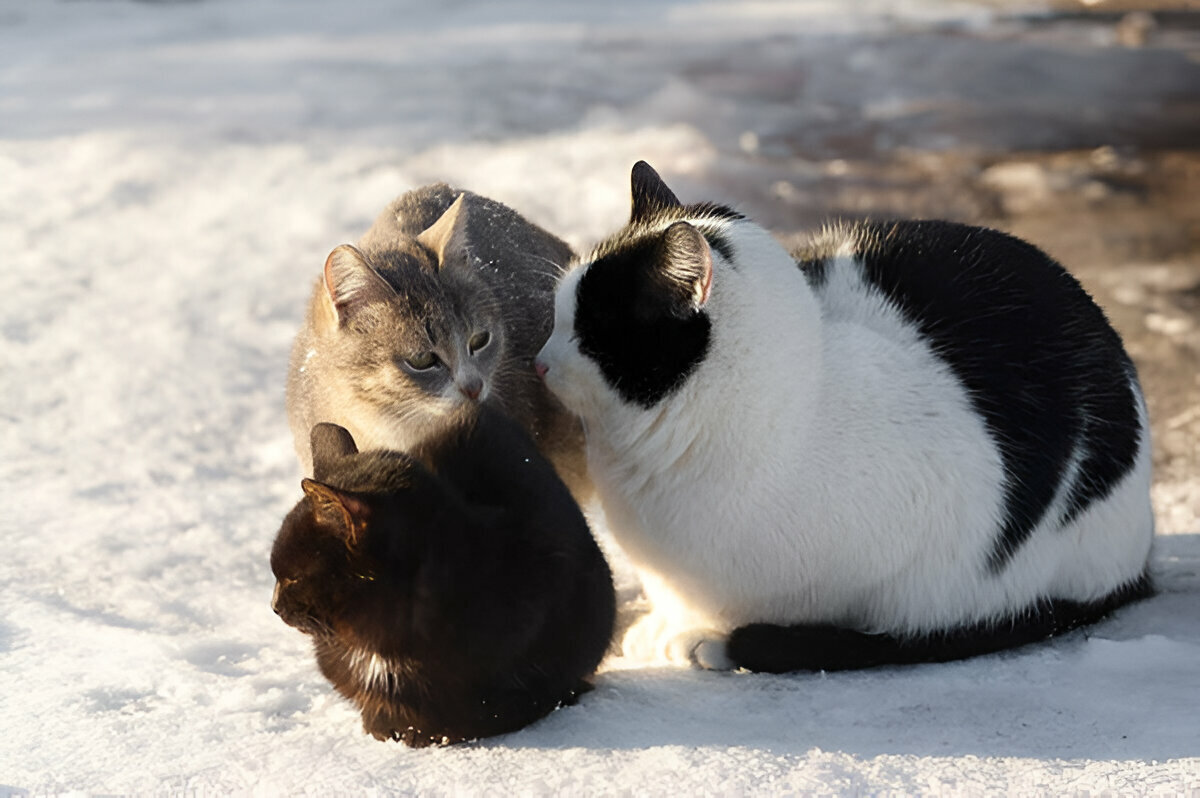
821,465
352,368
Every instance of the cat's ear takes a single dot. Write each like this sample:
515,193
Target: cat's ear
330,443
447,237
685,268
650,193
343,512
352,282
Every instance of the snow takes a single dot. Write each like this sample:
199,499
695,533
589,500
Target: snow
172,176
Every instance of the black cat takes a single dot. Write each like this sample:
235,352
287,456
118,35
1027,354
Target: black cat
451,594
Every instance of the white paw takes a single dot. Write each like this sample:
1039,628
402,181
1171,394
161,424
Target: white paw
654,639
710,655
703,648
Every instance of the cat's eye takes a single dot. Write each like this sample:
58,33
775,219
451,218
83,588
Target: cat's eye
422,361
478,341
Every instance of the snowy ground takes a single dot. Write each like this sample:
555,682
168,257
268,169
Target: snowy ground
171,178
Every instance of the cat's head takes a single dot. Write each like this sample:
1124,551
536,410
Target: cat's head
416,332
324,559
632,320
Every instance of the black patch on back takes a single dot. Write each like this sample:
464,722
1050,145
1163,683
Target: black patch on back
779,649
629,326
1039,360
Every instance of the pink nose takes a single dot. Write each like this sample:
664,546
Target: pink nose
471,388
540,367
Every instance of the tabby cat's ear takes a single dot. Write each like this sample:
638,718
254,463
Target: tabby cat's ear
650,193
352,283
330,443
447,237
684,269
343,513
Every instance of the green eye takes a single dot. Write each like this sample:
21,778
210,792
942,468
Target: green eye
422,361
478,341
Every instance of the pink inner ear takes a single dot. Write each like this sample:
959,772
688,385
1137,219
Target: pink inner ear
330,288
358,510
329,279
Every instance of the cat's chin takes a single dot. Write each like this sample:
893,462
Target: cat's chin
571,392
408,431
305,624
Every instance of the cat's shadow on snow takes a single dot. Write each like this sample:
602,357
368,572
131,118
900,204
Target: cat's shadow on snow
1111,691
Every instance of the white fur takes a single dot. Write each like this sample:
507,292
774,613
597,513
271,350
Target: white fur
372,671
821,464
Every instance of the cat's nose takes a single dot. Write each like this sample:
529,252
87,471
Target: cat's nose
540,367
471,388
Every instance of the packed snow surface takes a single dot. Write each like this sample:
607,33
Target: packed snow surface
172,176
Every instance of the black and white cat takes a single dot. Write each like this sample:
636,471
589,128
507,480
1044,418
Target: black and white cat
905,442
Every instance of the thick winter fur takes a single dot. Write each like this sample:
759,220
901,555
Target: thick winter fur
441,305
450,595
905,442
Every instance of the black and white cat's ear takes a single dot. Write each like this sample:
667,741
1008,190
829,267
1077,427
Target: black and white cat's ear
343,513
685,268
330,443
351,282
650,193
447,237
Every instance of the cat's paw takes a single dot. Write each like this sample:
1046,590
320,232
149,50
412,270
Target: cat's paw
654,640
711,655
702,648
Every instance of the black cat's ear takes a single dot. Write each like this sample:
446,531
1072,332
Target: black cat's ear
650,193
447,237
330,443
352,282
684,269
343,513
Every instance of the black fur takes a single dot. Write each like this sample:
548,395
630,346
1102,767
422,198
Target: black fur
650,193
654,202
720,242
628,302
468,567
779,649
1033,350
627,320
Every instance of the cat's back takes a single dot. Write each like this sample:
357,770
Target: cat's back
1035,357
494,462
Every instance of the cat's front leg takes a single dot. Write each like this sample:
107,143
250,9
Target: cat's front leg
673,632
658,639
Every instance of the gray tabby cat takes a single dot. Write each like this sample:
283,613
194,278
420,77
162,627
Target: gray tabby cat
443,304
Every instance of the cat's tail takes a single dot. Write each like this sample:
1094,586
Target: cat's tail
779,649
